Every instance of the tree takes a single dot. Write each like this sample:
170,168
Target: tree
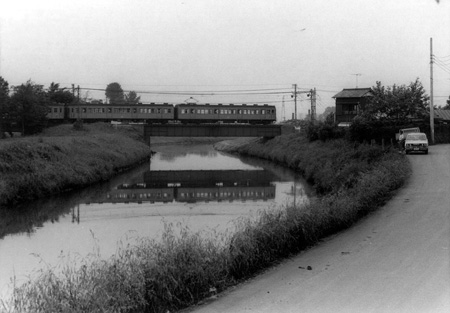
29,107
114,93
397,103
132,98
59,95
327,115
4,106
447,106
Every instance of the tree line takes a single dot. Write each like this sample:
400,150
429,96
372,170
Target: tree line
388,109
24,108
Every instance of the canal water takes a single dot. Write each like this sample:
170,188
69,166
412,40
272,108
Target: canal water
193,185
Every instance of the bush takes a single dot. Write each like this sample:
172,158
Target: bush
78,125
324,131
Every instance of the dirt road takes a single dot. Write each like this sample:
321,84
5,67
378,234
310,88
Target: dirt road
395,260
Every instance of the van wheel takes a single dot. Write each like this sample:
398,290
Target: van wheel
426,152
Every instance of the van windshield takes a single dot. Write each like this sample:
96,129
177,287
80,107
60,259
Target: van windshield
416,137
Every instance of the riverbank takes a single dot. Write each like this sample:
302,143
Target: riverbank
180,270
62,158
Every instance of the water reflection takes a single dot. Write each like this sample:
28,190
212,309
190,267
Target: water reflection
195,186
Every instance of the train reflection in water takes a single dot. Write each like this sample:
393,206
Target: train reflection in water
197,186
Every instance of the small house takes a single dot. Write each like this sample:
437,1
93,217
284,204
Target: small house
349,102
442,116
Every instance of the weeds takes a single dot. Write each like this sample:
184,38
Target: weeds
33,167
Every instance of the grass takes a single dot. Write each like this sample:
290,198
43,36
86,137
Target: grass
62,158
185,267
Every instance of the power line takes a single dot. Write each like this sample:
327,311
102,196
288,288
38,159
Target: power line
445,69
204,93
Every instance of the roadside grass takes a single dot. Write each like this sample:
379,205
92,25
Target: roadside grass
62,159
185,267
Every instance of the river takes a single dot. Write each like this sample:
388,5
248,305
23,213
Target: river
189,184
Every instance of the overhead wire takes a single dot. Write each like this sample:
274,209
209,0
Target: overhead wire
203,93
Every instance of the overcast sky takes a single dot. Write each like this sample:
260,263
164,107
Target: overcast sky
217,45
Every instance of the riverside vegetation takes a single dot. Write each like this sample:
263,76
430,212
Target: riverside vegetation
184,267
63,158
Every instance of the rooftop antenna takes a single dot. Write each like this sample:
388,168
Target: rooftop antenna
356,77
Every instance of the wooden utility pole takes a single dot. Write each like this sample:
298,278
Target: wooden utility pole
431,93
313,104
295,100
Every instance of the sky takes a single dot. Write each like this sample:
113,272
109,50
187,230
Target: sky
227,51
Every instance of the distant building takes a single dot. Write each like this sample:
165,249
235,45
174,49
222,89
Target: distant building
349,102
442,116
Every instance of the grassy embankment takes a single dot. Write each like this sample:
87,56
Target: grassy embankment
178,271
62,158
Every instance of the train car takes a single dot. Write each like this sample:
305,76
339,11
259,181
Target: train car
218,194
163,113
56,112
159,113
139,195
213,113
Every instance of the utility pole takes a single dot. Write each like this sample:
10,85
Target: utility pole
283,110
313,104
431,92
295,100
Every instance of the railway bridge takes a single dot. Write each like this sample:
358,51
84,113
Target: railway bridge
211,130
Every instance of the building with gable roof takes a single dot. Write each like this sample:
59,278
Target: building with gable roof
442,116
349,102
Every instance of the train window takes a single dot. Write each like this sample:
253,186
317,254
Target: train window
256,111
134,110
169,110
159,111
152,110
263,112
55,110
239,111
109,110
84,110
165,111
245,112
193,111
216,111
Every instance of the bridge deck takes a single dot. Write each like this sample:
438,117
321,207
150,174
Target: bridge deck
211,130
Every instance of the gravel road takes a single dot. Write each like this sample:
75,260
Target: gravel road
395,260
